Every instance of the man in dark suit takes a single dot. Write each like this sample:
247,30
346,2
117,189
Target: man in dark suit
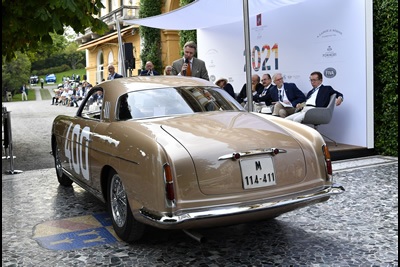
286,96
264,99
256,87
319,96
112,74
189,65
149,70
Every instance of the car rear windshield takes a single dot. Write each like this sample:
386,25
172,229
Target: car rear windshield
174,101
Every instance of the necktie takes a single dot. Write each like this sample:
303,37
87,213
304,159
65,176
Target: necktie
280,96
188,70
312,92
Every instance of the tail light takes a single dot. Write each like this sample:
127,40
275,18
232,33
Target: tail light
328,161
169,183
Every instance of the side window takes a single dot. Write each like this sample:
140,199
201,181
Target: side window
93,104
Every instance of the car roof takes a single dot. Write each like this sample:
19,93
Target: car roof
123,85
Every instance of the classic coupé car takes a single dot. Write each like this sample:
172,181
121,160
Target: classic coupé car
180,153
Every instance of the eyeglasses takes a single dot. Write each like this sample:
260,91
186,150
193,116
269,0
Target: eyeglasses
314,80
277,80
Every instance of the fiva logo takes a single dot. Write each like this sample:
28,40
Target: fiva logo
330,72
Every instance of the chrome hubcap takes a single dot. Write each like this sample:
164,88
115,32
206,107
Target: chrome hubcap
118,200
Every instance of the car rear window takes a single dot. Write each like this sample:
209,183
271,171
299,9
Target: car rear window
174,101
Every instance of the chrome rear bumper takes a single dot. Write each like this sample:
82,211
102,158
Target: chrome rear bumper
216,212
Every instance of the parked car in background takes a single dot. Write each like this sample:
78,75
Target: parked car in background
34,79
51,78
180,153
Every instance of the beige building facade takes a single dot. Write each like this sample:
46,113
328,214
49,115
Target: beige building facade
104,50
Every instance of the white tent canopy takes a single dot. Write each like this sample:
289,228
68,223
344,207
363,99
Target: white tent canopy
209,13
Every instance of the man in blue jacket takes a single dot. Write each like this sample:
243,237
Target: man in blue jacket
319,96
286,96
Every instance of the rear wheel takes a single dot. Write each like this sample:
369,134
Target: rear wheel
62,178
125,225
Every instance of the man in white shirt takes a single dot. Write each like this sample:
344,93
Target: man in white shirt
319,96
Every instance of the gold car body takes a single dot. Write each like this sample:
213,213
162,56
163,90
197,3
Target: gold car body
206,153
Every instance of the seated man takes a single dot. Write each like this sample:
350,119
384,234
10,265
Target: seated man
319,96
264,99
57,95
64,96
257,88
149,70
286,96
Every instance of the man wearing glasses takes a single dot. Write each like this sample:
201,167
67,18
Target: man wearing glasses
286,96
112,74
319,96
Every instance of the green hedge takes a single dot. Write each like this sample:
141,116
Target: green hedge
386,76
189,35
151,50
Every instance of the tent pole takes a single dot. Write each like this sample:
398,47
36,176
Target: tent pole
247,55
121,49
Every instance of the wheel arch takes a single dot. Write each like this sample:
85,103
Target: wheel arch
104,176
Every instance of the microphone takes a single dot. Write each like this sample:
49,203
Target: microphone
187,62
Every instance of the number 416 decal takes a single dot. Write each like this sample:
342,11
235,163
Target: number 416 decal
74,149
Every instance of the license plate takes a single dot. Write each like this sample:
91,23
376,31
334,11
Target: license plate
257,172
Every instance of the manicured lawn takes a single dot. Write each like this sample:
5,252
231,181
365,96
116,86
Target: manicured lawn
31,96
45,94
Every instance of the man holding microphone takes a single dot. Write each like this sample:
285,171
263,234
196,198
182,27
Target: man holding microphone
188,65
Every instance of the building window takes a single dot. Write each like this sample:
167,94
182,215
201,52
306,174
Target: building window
100,67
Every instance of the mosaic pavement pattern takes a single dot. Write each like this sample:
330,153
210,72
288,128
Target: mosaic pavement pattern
356,228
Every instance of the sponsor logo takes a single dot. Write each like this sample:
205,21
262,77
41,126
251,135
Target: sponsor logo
329,33
212,78
329,53
259,20
290,77
330,72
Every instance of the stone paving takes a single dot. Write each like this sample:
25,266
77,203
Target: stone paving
356,228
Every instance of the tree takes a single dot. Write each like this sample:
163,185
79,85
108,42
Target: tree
16,72
26,23
46,50
72,56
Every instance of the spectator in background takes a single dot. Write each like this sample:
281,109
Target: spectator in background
73,76
318,96
112,74
24,92
287,96
256,88
57,95
149,70
41,82
167,70
223,83
264,99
